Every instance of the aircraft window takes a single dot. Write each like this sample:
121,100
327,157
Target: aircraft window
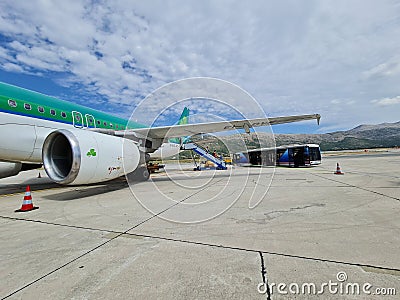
12,103
53,112
27,106
111,125
117,126
98,122
41,109
63,114
105,123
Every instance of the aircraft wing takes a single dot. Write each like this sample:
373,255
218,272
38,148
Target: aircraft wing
192,129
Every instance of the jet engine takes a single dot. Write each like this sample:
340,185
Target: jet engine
8,169
83,157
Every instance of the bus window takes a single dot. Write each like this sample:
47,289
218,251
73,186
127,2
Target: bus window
314,155
291,156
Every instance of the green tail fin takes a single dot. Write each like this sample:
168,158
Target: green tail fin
184,119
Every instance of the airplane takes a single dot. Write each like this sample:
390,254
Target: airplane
79,145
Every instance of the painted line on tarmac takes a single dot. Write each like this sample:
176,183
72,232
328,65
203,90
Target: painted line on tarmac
57,224
357,187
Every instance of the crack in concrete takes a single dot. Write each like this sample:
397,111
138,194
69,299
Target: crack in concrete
276,213
264,276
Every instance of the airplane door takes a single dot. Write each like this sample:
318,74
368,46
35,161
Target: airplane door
77,119
90,121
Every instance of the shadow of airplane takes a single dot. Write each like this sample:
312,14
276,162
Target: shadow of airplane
69,193
84,191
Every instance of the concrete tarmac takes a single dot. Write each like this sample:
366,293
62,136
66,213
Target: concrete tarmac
306,232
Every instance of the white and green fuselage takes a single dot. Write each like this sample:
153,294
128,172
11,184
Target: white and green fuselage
27,118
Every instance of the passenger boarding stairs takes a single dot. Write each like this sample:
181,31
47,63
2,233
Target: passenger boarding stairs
201,151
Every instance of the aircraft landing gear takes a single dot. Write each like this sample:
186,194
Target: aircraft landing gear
144,173
140,174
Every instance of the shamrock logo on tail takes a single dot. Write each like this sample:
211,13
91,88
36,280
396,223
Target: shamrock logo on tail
91,152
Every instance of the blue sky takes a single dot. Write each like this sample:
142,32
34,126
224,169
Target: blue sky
337,58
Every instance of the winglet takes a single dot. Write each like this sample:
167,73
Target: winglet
318,118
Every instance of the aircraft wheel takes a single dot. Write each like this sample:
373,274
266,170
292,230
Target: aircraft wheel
140,174
145,174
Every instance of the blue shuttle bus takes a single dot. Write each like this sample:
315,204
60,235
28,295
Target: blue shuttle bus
292,156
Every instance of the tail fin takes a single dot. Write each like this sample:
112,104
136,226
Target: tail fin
184,119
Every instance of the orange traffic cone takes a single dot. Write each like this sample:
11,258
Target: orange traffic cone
338,170
27,204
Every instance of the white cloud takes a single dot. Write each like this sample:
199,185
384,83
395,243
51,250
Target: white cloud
10,67
389,68
387,101
4,54
294,57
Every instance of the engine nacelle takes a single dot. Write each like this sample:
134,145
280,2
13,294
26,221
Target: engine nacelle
8,169
83,157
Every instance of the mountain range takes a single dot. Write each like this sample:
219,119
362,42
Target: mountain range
363,136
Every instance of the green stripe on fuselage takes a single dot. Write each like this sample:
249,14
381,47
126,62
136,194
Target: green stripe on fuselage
35,100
